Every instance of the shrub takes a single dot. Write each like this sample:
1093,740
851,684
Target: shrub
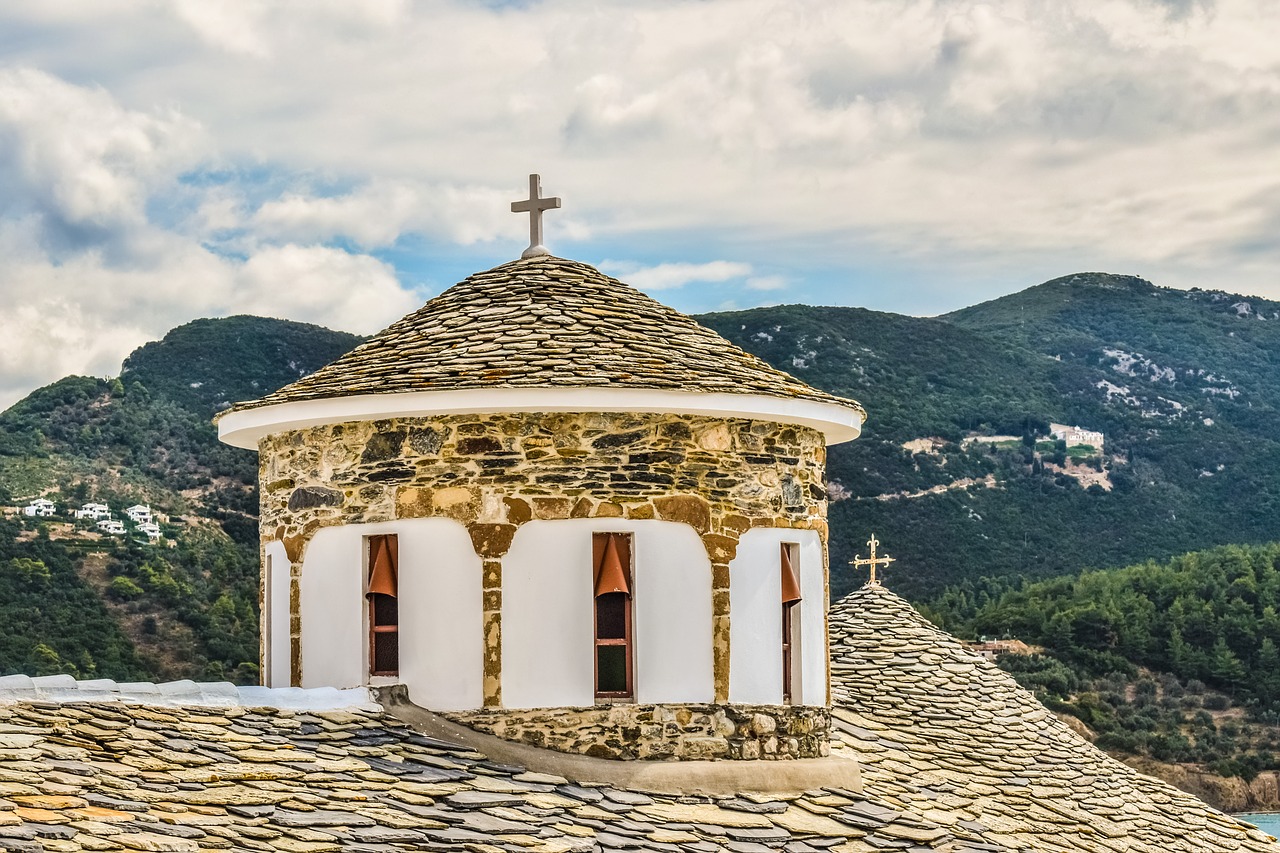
123,589
1216,702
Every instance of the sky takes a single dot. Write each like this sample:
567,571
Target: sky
341,161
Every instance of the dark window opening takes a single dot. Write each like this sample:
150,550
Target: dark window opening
611,560
384,608
611,671
611,616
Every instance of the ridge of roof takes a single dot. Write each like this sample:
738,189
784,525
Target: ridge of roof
545,322
931,721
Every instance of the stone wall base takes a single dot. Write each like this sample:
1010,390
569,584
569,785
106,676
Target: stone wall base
663,732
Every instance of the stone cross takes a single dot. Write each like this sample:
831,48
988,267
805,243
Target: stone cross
534,205
872,561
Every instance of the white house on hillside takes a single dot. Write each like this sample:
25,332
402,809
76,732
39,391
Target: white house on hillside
94,511
139,514
110,525
41,507
1074,435
151,529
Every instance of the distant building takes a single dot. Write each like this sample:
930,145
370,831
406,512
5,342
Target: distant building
992,649
40,507
139,514
94,511
151,529
930,444
111,526
1074,435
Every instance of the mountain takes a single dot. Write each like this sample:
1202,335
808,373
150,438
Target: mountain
75,600
1184,385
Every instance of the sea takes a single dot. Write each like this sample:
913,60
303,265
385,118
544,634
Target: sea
1268,823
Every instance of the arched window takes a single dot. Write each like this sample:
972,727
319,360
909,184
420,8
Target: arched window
614,664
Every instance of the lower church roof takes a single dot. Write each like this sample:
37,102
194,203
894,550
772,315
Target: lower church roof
942,732
954,756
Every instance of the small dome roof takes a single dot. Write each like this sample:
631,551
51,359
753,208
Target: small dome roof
542,323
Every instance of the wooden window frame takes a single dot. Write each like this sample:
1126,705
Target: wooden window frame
790,624
627,641
375,630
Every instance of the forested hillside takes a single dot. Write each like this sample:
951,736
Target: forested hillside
1158,659
1184,385
75,600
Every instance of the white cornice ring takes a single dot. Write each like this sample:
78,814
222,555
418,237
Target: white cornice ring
246,427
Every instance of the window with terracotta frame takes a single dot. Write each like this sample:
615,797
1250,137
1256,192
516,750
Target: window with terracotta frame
384,610
790,578
614,649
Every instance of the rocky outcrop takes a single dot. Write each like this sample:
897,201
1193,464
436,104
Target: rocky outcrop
1230,794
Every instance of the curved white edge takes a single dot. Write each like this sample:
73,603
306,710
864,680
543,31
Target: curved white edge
247,427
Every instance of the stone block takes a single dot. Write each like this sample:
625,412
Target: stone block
518,511
491,540
478,445
552,507
685,509
309,497
720,548
715,438
457,502
383,446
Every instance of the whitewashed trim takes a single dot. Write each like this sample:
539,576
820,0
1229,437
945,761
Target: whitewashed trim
247,427
213,694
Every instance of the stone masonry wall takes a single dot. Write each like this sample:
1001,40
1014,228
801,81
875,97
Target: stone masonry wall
664,732
492,473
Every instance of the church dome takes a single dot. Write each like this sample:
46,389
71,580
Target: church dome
561,512
550,335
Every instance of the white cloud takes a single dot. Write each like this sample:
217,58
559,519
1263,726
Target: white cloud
251,27
379,213
86,274
84,315
144,143
320,285
669,276
74,157
766,282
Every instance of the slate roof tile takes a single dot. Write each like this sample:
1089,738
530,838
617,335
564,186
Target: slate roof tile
960,731
545,322
252,804
986,770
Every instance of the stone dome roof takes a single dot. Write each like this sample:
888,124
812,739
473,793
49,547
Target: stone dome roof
937,728
545,322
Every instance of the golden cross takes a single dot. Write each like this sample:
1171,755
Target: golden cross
872,561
